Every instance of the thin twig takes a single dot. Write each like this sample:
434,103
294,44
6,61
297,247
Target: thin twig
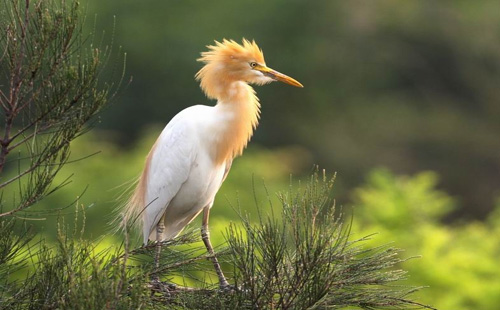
406,301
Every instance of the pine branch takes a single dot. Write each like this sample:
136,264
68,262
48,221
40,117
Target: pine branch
53,92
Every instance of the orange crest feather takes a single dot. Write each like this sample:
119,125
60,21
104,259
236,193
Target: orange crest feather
230,49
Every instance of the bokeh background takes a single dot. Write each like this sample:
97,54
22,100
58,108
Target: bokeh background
401,100
410,86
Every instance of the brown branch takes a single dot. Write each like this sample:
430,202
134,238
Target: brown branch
43,157
15,86
4,143
16,79
41,117
12,109
30,136
168,289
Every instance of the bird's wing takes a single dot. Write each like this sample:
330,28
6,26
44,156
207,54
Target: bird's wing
229,163
169,167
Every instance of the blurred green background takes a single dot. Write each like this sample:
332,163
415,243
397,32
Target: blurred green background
401,99
410,85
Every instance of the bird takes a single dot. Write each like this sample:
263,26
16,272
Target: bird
192,157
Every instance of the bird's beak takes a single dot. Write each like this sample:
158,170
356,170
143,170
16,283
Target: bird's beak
275,75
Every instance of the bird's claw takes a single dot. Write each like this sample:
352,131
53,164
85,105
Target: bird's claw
162,287
229,288
226,288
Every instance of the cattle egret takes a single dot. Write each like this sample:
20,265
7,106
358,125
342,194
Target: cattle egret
192,156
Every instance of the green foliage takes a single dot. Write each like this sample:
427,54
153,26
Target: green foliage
72,275
50,88
13,251
459,262
401,202
305,260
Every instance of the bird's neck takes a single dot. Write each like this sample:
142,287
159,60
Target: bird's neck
240,108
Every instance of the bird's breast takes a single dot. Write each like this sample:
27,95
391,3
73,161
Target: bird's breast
199,190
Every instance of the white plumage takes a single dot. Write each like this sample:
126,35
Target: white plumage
183,177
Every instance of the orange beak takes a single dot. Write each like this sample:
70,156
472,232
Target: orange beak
275,75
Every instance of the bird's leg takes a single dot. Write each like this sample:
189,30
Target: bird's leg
156,284
159,237
205,236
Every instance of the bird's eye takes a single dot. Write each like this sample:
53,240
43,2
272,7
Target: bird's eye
253,64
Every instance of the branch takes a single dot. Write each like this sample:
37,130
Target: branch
16,80
26,204
15,85
41,117
65,49
406,301
4,143
44,155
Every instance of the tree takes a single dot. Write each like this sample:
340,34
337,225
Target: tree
50,89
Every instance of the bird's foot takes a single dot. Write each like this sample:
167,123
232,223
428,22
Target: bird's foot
225,287
161,286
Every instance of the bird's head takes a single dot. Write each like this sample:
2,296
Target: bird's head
228,61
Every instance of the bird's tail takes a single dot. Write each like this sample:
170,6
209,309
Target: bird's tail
129,218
